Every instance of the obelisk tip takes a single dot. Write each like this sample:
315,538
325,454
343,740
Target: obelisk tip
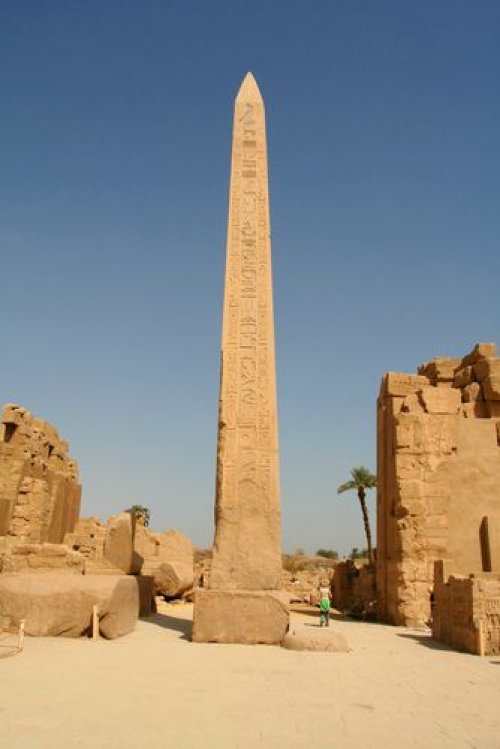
249,90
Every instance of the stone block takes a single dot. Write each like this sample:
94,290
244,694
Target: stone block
480,351
61,605
412,404
324,641
491,387
248,617
172,579
168,557
440,369
119,541
463,377
486,368
475,410
472,392
400,384
440,400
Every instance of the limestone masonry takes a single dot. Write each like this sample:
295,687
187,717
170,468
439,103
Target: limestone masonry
39,487
438,475
247,547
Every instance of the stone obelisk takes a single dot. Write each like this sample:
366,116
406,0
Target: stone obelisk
242,602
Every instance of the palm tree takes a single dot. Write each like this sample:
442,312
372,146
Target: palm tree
361,480
142,514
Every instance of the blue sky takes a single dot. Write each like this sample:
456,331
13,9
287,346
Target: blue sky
384,144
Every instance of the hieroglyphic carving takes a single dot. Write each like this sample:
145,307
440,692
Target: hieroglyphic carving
248,433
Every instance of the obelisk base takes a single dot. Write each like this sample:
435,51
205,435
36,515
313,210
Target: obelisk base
248,617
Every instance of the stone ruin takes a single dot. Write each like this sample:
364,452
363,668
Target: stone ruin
55,567
438,473
466,611
354,589
39,488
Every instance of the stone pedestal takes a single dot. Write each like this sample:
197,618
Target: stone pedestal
247,617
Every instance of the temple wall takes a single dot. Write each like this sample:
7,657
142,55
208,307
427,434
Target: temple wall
39,487
438,476
466,612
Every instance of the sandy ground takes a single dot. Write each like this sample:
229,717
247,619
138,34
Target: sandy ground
154,688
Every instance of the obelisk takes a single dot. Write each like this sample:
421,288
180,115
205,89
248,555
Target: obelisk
242,602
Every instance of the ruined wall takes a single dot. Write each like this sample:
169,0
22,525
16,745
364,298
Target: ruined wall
438,473
354,589
466,611
39,488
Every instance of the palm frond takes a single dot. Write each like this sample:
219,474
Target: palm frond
346,487
363,477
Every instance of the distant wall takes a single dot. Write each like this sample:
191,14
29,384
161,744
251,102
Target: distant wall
466,612
353,588
39,487
438,477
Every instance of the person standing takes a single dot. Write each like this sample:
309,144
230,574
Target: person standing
324,604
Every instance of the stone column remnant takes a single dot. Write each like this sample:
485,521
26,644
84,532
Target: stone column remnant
242,602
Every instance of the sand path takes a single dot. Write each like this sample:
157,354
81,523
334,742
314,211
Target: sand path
154,688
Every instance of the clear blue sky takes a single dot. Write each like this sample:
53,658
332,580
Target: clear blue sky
384,144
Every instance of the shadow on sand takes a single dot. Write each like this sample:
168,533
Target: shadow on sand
174,623
426,641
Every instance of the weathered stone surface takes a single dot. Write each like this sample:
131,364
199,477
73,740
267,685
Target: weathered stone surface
119,541
354,589
247,550
39,488
440,401
437,473
168,557
240,616
324,641
463,377
480,351
171,579
472,392
247,545
46,557
108,549
61,605
491,388
466,612
439,370
400,384
487,367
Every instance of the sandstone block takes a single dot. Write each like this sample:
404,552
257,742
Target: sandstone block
168,557
472,392
440,400
491,387
119,541
475,410
486,368
46,557
439,369
463,377
400,384
172,579
39,489
412,404
480,351
325,641
61,605
240,616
